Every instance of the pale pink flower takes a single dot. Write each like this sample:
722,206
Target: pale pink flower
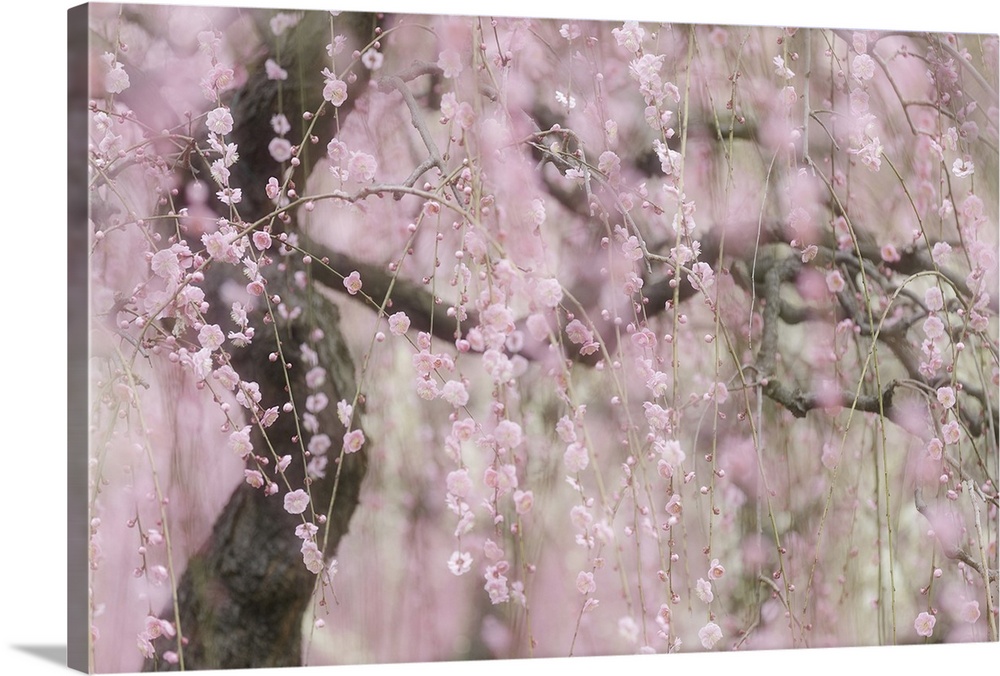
253,477
781,70
859,102
952,432
523,501
362,166
450,62
933,299
239,442
372,59
116,81
709,635
935,448
585,583
924,624
312,557
946,396
575,457
629,36
262,240
548,293
465,116
274,71
715,570
280,149
335,91
353,283
460,563
889,253
273,189
863,68
165,264
399,323
319,444
569,31
835,281
933,327
282,21
703,590
296,501
578,333
940,252
459,483
230,196
455,393
963,167
219,121
353,441
969,612
317,402
508,434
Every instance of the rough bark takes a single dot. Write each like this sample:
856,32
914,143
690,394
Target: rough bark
241,600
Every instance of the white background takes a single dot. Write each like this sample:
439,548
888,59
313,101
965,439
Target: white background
33,329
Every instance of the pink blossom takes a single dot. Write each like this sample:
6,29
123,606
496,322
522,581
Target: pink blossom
703,590
230,196
165,264
296,501
578,333
274,71
863,68
319,444
280,149
450,62
353,283
585,583
459,483
454,393
116,81
219,121
933,299
835,281
362,166
239,442
715,570
335,91
317,402
969,612
548,293
629,36
253,477
951,432
569,31
523,501
262,240
372,59
460,563
508,434
576,458
933,327
353,441
946,396
709,635
889,253
399,324
924,624
312,557
935,448
272,189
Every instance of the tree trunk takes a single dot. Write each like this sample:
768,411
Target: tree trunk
241,600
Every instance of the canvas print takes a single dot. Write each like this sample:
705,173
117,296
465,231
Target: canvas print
428,338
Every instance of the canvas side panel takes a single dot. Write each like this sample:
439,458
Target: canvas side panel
78,624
